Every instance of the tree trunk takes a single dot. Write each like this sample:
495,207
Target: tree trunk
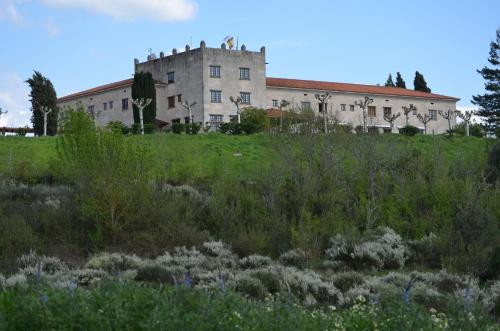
141,119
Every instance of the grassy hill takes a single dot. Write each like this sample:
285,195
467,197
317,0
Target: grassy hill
201,158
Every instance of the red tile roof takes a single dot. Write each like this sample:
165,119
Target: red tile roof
103,88
352,88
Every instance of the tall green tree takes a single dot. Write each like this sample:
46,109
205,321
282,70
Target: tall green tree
399,81
42,94
144,87
390,82
489,103
420,83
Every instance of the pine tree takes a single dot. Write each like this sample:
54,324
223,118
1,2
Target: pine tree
390,82
489,103
144,87
420,83
42,94
399,81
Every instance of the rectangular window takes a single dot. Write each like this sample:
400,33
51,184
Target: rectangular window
275,103
342,107
216,96
320,107
387,111
233,118
171,77
186,120
372,130
351,107
111,105
216,118
105,106
372,111
306,105
215,71
90,109
245,98
125,104
414,109
171,102
179,98
433,115
244,73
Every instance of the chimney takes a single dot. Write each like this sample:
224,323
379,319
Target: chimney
243,48
188,48
203,44
263,50
223,46
162,55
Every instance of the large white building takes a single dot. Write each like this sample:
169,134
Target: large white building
210,76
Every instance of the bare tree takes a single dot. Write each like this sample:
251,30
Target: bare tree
46,111
363,104
283,104
189,107
390,118
448,115
237,102
3,112
323,100
142,103
426,118
407,111
465,116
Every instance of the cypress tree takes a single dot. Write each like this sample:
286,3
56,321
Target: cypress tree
42,94
489,103
399,81
144,87
420,83
390,82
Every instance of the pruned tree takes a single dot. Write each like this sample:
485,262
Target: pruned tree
407,111
283,104
390,82
3,112
489,103
363,104
466,117
449,115
141,104
46,111
189,107
42,94
391,118
323,100
237,102
424,119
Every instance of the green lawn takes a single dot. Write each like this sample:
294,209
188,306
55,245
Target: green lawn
200,158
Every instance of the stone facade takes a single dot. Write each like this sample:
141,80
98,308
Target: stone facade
342,107
210,76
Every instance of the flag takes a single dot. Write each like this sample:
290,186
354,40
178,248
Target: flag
229,42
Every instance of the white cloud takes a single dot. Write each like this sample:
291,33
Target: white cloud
9,13
14,98
128,10
51,27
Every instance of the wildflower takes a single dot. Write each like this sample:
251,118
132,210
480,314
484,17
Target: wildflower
332,308
44,298
237,314
188,279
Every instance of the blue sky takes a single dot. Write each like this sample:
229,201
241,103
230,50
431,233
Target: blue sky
80,44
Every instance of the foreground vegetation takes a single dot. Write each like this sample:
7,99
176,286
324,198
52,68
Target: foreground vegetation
320,219
124,306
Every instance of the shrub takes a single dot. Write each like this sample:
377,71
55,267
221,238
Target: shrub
492,300
49,265
270,278
493,168
149,128
177,128
345,281
255,262
251,287
254,120
114,262
231,128
475,130
343,128
409,130
192,128
155,274
117,127
295,257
